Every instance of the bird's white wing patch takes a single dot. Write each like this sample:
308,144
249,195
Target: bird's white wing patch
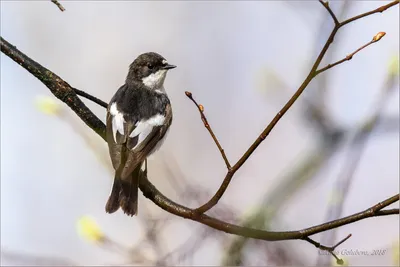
144,127
117,121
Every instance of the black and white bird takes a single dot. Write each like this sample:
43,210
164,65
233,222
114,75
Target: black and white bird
138,118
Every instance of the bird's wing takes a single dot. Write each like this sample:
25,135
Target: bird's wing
116,141
148,134
130,142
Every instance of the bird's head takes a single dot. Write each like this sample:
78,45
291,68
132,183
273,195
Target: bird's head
150,69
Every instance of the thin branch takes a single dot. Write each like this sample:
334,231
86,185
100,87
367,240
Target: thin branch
373,211
58,5
90,97
208,127
387,212
378,10
315,106
326,5
225,183
350,56
311,75
331,250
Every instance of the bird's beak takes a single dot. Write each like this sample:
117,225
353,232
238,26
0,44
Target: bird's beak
168,67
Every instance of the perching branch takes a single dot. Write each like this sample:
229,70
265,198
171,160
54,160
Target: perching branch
60,88
151,192
63,91
312,74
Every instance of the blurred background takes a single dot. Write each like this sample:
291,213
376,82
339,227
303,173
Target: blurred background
336,152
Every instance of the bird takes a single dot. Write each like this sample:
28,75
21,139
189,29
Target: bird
138,118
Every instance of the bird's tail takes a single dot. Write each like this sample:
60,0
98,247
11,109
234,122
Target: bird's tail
124,194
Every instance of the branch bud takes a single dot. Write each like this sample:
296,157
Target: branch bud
188,94
201,107
378,36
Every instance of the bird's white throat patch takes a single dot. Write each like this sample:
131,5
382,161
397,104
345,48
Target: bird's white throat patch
155,80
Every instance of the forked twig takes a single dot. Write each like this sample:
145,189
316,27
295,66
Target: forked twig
328,8
376,38
312,74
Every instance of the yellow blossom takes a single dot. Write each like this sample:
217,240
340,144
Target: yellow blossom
48,105
394,65
88,229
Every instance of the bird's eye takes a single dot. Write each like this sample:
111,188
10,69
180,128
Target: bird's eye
150,66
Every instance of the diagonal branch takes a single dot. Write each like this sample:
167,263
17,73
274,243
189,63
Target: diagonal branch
151,192
376,38
90,97
60,88
208,127
311,75
328,8
363,15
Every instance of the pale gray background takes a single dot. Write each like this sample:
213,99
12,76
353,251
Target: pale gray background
49,176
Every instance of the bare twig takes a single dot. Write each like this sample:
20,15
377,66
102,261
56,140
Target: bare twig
331,250
58,5
378,10
316,108
376,38
151,192
208,127
311,75
90,97
326,5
